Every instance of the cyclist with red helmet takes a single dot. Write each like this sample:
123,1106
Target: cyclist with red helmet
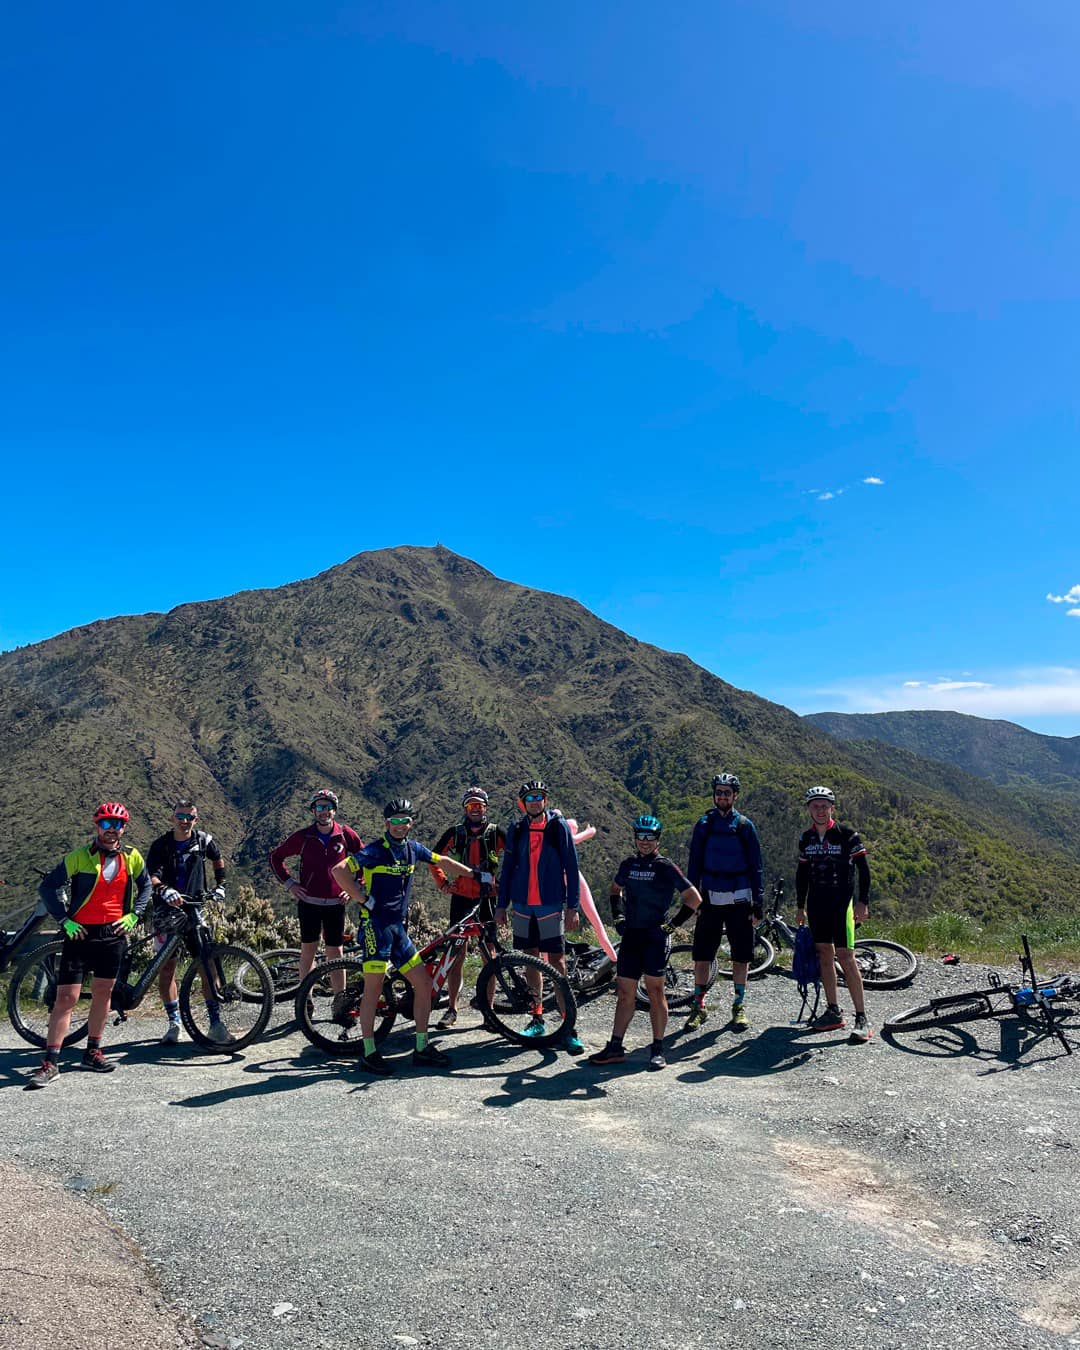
98,893
477,842
320,901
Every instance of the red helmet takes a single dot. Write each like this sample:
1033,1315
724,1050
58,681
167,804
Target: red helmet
111,811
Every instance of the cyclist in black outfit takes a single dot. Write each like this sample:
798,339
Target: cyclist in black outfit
830,857
641,894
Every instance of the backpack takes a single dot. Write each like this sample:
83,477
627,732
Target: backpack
709,819
489,843
806,969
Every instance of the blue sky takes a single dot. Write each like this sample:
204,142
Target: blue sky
754,327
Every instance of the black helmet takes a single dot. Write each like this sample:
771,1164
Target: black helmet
533,785
324,795
474,794
730,780
400,806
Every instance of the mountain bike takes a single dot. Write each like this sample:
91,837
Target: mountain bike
510,989
11,940
227,975
882,964
1050,1001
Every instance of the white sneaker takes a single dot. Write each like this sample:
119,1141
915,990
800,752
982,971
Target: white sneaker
219,1033
172,1034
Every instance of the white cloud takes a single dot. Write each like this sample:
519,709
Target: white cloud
826,496
1037,692
1073,613
1071,597
877,482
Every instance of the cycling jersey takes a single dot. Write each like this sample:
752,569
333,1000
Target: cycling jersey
540,866
649,885
318,853
72,882
180,863
388,868
827,866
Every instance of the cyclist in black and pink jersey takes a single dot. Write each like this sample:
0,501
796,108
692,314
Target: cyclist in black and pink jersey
830,857
320,901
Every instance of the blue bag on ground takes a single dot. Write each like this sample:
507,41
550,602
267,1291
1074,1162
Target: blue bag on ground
807,970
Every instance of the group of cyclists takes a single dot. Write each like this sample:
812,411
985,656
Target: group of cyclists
525,876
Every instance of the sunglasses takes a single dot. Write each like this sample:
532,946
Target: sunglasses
646,834
399,820
723,792
111,824
323,806
473,802
186,819
535,797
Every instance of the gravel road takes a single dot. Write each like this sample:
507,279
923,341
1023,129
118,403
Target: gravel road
764,1189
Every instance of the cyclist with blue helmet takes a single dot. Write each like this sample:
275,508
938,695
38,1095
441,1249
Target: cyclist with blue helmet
641,894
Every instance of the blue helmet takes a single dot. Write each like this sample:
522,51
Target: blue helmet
648,825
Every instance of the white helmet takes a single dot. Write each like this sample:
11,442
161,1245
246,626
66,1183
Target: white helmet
820,794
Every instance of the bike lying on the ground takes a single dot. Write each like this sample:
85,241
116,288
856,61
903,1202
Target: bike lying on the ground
882,964
228,976
511,989
1049,1001
590,968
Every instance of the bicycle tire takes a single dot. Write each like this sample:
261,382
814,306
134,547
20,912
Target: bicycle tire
764,957
32,993
976,1006
336,1030
503,990
283,963
244,992
882,964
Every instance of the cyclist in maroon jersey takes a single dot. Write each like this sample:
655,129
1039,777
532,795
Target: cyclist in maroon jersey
320,901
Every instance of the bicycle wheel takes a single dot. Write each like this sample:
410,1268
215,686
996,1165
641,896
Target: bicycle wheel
332,1021
946,1012
284,966
883,965
32,993
515,987
240,992
764,957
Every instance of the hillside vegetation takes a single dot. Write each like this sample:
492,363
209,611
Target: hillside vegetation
415,671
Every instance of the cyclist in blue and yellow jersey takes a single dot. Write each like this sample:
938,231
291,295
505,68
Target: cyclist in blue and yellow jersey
725,865
641,894
830,857
99,893
387,869
539,883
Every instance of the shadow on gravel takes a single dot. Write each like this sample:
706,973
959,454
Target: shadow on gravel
526,1086
1017,1040
774,1050
276,1075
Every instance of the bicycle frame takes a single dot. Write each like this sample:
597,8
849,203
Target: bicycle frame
12,940
127,997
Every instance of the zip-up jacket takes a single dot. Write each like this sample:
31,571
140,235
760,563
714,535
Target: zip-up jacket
316,858
69,885
559,882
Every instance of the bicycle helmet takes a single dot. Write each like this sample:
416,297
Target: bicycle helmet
820,794
648,825
324,795
474,794
400,806
533,785
111,811
730,780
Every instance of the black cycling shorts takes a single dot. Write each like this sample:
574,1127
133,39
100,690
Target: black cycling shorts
325,921
460,905
831,920
98,954
709,932
642,951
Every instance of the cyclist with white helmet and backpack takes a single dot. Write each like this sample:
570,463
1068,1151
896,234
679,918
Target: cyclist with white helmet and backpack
641,894
830,858
725,865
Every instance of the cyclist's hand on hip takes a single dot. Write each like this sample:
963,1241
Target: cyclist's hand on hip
72,930
125,924
297,891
